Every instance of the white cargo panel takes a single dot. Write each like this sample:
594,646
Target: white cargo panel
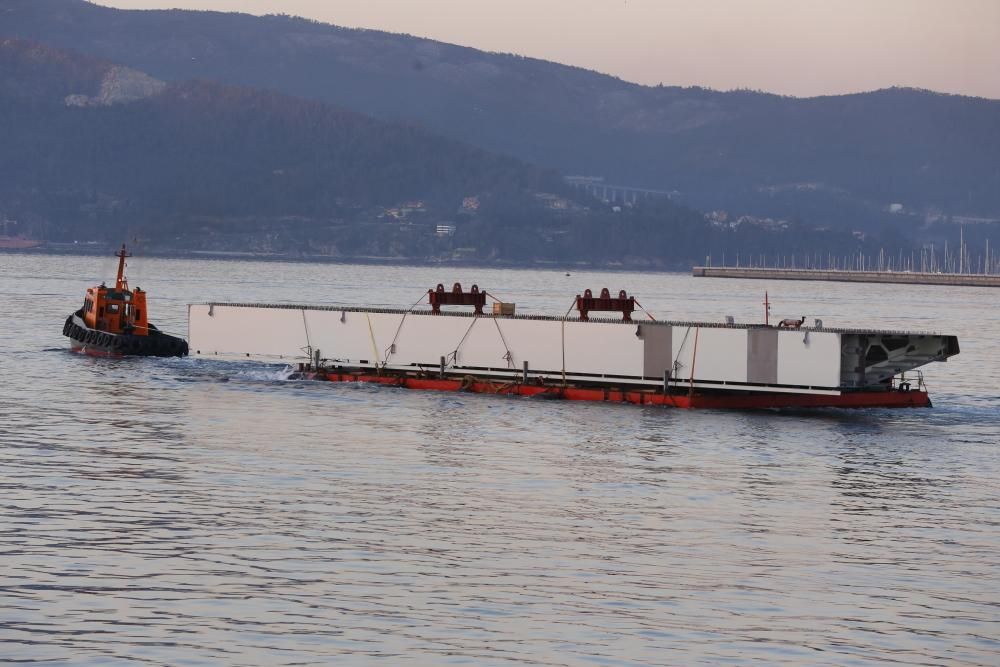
255,332
809,358
601,348
715,354
637,353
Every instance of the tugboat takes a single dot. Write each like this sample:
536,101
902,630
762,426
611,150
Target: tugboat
113,323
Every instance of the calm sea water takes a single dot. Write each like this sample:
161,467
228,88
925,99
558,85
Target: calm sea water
192,512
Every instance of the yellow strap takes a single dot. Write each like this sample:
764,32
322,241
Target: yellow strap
371,332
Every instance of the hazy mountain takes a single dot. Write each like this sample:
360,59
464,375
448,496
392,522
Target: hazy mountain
840,161
94,150
83,135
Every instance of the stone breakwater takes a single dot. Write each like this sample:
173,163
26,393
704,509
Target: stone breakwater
910,278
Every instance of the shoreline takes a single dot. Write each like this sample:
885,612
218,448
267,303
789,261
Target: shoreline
73,250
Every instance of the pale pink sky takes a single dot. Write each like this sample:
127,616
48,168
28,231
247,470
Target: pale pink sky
796,47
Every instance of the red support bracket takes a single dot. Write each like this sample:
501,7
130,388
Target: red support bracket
624,304
456,297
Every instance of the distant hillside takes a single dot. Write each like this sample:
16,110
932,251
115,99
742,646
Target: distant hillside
93,150
80,134
97,151
838,161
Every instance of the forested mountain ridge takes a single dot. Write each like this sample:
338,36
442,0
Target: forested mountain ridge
836,161
97,151
81,134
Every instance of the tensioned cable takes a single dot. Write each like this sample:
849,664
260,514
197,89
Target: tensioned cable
694,359
648,314
305,325
454,353
509,356
493,297
392,346
680,349
563,334
371,332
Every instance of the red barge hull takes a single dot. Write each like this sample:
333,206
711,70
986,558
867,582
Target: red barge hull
758,401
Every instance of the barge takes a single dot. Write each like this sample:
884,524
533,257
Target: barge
578,357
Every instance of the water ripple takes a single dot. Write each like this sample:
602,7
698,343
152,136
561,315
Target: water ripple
193,512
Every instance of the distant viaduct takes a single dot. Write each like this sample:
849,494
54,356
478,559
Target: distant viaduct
615,194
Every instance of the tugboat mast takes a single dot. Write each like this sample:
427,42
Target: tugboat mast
121,283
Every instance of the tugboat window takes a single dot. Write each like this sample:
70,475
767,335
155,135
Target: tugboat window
113,308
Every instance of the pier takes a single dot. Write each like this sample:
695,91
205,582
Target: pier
904,277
